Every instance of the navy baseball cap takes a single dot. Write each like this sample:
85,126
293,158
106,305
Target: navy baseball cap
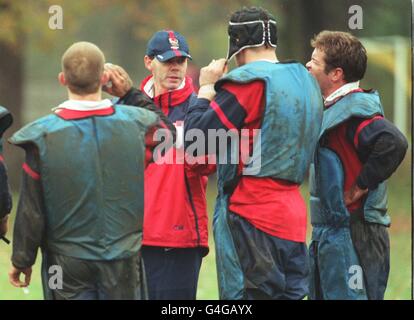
167,44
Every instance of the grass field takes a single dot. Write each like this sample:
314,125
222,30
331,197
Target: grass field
399,285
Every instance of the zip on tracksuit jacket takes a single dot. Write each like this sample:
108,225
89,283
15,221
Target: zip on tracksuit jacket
175,193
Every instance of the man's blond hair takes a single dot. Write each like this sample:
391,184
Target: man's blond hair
83,65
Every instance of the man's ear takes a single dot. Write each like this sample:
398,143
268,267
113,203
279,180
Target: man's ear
337,74
62,79
148,63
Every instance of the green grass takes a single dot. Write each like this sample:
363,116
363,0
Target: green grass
399,284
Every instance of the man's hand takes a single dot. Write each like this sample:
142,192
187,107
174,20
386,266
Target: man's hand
213,72
4,226
14,276
209,76
354,194
121,82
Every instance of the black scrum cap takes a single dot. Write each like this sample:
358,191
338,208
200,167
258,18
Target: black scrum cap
252,27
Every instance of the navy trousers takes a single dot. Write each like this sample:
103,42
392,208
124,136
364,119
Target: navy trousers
172,273
273,268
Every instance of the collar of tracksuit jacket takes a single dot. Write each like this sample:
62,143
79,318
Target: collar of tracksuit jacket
171,98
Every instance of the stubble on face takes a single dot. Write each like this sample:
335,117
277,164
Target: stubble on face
170,74
316,66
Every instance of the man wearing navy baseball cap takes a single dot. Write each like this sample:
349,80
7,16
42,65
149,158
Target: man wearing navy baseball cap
175,237
166,59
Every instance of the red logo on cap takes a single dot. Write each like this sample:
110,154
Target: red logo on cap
173,43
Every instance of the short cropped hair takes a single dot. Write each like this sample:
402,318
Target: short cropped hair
342,50
83,65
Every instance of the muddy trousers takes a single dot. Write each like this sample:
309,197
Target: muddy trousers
273,268
372,246
92,280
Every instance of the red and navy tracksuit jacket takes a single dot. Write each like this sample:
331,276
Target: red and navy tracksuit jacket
175,194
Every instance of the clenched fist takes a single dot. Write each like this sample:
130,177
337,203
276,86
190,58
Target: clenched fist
213,72
120,80
209,75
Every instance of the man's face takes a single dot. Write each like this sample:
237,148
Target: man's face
316,66
168,75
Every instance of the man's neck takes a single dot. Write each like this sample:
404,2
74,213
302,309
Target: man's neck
331,90
158,89
253,55
97,96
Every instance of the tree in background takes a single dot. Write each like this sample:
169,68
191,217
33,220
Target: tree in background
24,21
124,26
20,21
